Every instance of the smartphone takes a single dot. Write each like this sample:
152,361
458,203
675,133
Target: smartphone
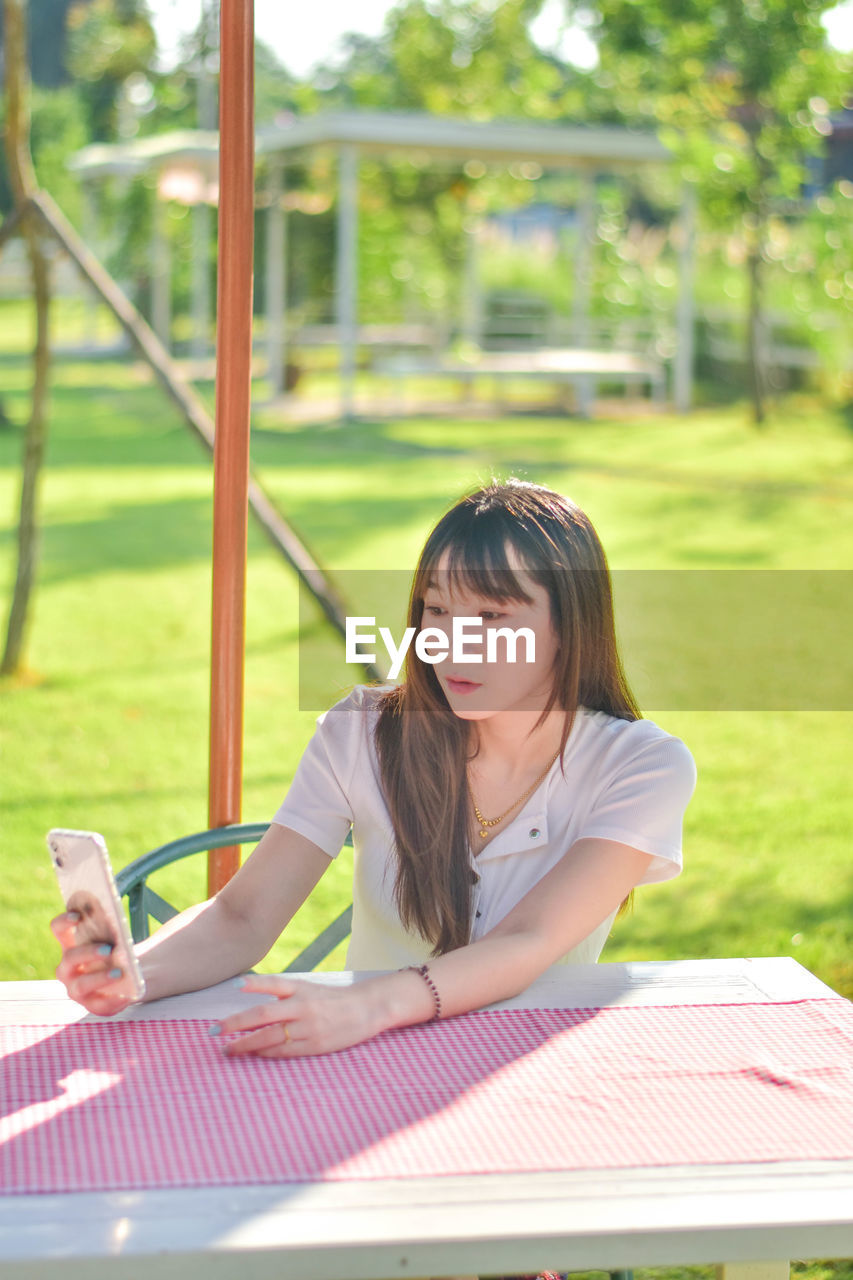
87,885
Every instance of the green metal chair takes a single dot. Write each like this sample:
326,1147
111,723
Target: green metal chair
145,905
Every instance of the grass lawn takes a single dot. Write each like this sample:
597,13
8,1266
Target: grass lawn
108,726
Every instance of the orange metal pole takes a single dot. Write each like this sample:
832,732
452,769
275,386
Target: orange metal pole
231,449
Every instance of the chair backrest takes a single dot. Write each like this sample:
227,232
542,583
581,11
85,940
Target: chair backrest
144,904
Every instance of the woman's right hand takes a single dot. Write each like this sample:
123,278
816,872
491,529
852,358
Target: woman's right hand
88,971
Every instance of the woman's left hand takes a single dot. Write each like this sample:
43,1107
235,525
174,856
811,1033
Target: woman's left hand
302,1018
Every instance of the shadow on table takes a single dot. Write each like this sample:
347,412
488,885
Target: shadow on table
121,1105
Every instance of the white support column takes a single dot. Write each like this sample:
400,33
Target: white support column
276,282
161,270
346,275
207,118
685,312
207,104
584,384
472,295
583,259
90,301
200,282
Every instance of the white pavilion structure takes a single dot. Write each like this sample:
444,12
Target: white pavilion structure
185,165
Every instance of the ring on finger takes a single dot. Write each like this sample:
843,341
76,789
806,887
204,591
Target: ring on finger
286,1032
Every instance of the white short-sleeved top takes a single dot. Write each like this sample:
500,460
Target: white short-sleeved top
623,780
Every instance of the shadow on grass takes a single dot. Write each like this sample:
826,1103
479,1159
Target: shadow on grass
706,482
100,423
717,922
846,415
126,537
342,444
340,525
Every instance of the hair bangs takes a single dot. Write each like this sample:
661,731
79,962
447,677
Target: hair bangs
475,560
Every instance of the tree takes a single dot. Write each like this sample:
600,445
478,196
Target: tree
743,91
23,183
47,41
448,57
108,42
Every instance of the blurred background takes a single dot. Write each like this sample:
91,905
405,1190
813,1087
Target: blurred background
602,246
474,249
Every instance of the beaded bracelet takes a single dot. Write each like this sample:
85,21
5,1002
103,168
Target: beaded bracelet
427,977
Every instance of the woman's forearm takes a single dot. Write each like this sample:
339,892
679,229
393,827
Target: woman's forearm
562,909
198,948
492,969
322,1019
233,931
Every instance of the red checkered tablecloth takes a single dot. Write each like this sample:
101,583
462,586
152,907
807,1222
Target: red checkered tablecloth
141,1104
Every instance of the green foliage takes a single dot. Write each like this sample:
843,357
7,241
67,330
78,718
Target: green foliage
275,88
173,103
823,270
108,41
743,94
58,128
743,91
476,60
473,59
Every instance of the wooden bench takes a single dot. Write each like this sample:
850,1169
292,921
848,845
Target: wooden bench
574,366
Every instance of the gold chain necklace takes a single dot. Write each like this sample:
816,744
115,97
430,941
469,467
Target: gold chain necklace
486,823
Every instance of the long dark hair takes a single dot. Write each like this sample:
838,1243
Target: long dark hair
423,746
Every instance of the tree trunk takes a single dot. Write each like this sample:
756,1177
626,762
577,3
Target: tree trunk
23,183
34,446
756,346
756,322
12,223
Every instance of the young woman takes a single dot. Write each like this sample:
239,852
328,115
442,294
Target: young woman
501,810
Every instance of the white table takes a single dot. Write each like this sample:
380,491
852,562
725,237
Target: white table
739,1214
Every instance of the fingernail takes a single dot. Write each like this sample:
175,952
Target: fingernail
114,973
105,949
74,917
240,983
214,1029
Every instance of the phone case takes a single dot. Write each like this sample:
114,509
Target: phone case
82,867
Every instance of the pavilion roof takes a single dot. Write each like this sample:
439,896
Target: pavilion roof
431,137
552,145
194,146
